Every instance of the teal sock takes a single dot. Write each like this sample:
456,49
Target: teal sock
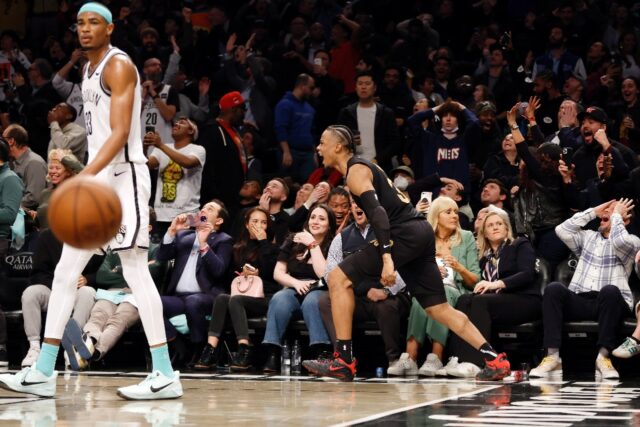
161,361
47,359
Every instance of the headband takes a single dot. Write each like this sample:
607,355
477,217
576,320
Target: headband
98,8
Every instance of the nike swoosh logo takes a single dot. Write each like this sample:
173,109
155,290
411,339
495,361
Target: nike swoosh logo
386,246
119,173
155,390
28,383
334,368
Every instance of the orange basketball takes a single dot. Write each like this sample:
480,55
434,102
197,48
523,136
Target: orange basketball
84,212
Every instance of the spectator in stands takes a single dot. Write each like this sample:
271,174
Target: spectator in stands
115,309
159,101
345,54
293,125
319,195
395,94
444,152
27,164
251,142
11,188
494,193
557,59
573,88
179,166
250,194
631,345
202,257
327,102
70,92
254,257
11,55
495,74
150,48
224,172
568,123
301,263
387,306
457,258
628,49
628,117
37,97
373,121
504,166
302,195
442,73
508,280
599,289
65,132
490,137
340,203
62,165
274,195
545,86
544,195
35,298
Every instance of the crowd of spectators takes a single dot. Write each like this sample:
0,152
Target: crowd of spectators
513,122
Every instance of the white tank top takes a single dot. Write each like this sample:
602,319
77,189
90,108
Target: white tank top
151,117
97,111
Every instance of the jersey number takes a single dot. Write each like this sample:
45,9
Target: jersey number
152,119
87,122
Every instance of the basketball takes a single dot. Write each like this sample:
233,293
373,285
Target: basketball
84,212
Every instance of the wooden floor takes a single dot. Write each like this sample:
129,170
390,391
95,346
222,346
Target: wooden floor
254,400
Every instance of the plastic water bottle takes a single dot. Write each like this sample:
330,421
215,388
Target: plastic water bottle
285,361
296,358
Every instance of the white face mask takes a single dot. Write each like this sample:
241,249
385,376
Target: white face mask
401,183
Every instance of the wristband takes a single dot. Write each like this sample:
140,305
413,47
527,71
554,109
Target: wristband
515,126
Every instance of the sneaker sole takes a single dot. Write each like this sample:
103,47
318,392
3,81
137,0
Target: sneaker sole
7,387
499,375
124,396
74,333
335,374
557,373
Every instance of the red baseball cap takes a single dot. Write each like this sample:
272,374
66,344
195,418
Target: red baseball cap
230,100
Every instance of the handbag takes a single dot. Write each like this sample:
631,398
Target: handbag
250,286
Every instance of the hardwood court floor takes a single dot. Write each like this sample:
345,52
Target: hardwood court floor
255,400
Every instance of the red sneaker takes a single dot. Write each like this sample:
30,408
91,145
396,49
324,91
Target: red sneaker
335,368
496,369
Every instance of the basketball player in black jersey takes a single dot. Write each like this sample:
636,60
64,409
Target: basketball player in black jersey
406,242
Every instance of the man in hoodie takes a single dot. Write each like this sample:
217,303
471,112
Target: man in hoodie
293,124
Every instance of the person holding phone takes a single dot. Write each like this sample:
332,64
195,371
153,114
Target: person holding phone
179,165
301,262
254,255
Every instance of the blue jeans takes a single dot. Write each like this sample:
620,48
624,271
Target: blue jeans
304,163
286,304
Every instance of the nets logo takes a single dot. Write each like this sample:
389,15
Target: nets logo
448,154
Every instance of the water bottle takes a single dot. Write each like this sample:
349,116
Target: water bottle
296,358
285,361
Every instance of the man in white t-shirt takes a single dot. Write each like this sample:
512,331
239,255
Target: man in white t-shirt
179,167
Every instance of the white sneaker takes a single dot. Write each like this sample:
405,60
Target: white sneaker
430,366
31,357
464,370
30,380
550,365
155,386
403,366
627,349
450,366
605,370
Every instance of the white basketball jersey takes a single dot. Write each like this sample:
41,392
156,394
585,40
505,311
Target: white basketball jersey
151,117
97,113
75,100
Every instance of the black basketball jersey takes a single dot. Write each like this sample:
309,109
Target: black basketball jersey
398,206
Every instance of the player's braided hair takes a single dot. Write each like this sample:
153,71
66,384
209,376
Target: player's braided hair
345,135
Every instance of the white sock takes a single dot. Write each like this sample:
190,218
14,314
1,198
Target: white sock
34,344
603,353
553,352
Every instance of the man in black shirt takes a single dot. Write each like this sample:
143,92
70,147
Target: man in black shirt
404,239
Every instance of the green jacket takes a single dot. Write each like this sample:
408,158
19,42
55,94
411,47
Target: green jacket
467,254
11,190
110,276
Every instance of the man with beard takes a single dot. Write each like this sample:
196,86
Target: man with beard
496,76
490,142
558,60
395,94
592,143
293,123
545,86
150,47
224,171
159,102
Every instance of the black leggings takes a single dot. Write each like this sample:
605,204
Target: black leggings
487,310
238,307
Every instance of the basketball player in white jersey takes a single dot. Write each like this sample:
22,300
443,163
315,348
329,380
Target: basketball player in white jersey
111,93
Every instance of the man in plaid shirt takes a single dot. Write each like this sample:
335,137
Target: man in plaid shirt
599,289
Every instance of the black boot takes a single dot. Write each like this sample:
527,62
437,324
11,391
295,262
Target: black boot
178,352
242,361
273,360
208,359
195,354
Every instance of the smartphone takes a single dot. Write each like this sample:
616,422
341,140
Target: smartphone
250,267
149,129
195,221
426,195
318,284
567,156
317,61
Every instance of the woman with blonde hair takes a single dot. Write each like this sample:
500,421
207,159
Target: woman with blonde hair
457,259
508,281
